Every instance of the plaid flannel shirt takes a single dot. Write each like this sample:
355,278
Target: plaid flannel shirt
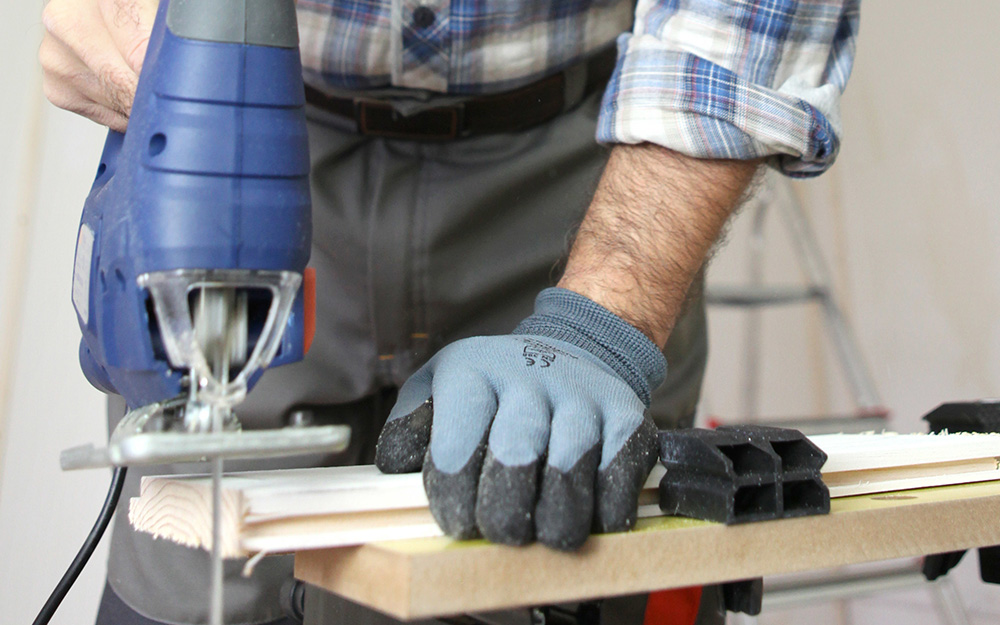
736,79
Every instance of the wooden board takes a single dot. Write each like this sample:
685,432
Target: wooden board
437,576
283,511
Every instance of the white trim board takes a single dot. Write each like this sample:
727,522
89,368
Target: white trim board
289,510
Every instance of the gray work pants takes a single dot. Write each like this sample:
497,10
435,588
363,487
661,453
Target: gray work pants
416,245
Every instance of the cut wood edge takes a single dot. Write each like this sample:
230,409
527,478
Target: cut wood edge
181,511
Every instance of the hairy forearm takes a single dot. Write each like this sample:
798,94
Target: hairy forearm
653,220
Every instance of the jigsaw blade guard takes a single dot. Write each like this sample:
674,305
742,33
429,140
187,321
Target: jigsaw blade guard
169,291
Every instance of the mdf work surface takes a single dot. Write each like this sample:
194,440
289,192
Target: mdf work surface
429,577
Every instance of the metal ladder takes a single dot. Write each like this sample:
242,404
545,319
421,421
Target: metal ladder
870,413
755,295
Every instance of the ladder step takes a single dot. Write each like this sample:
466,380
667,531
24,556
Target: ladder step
727,295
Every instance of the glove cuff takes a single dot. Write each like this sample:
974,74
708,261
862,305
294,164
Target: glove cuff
567,316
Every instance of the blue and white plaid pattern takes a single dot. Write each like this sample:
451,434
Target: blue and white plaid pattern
710,78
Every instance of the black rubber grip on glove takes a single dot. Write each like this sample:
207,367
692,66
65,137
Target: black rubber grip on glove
619,484
505,501
402,444
564,515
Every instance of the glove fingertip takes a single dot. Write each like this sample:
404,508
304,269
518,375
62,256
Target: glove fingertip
620,481
505,502
566,506
452,496
403,442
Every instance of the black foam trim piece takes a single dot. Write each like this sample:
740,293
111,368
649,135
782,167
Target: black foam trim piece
939,564
741,474
989,564
796,452
744,596
804,497
970,416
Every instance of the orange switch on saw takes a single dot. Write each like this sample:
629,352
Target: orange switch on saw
309,308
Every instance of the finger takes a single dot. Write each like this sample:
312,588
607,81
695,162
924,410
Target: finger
628,454
130,23
508,484
565,510
73,86
403,442
65,97
105,117
81,29
464,405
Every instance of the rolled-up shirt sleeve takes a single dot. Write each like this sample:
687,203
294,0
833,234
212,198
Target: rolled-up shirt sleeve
734,79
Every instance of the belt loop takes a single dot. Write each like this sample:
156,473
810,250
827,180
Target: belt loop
574,85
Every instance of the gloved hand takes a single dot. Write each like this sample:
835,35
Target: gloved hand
537,435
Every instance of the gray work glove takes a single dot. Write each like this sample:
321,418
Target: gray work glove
538,435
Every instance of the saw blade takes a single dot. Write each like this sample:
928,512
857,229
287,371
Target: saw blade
220,326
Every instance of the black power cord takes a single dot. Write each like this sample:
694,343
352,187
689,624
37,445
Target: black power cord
80,561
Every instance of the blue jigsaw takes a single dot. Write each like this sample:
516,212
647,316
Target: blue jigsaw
190,273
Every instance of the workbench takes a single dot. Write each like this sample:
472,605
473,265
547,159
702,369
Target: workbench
429,577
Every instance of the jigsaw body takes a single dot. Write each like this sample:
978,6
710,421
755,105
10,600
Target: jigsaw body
190,275
211,179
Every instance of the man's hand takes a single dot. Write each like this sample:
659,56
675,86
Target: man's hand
542,434
92,53
539,434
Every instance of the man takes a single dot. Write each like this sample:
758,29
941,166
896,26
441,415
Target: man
453,149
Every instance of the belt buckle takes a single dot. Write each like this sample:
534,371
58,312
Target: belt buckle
382,120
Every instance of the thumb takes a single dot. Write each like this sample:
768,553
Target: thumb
407,432
130,23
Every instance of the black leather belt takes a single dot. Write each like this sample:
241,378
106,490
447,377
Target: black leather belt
510,111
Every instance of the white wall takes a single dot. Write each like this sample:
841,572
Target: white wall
44,513
908,219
